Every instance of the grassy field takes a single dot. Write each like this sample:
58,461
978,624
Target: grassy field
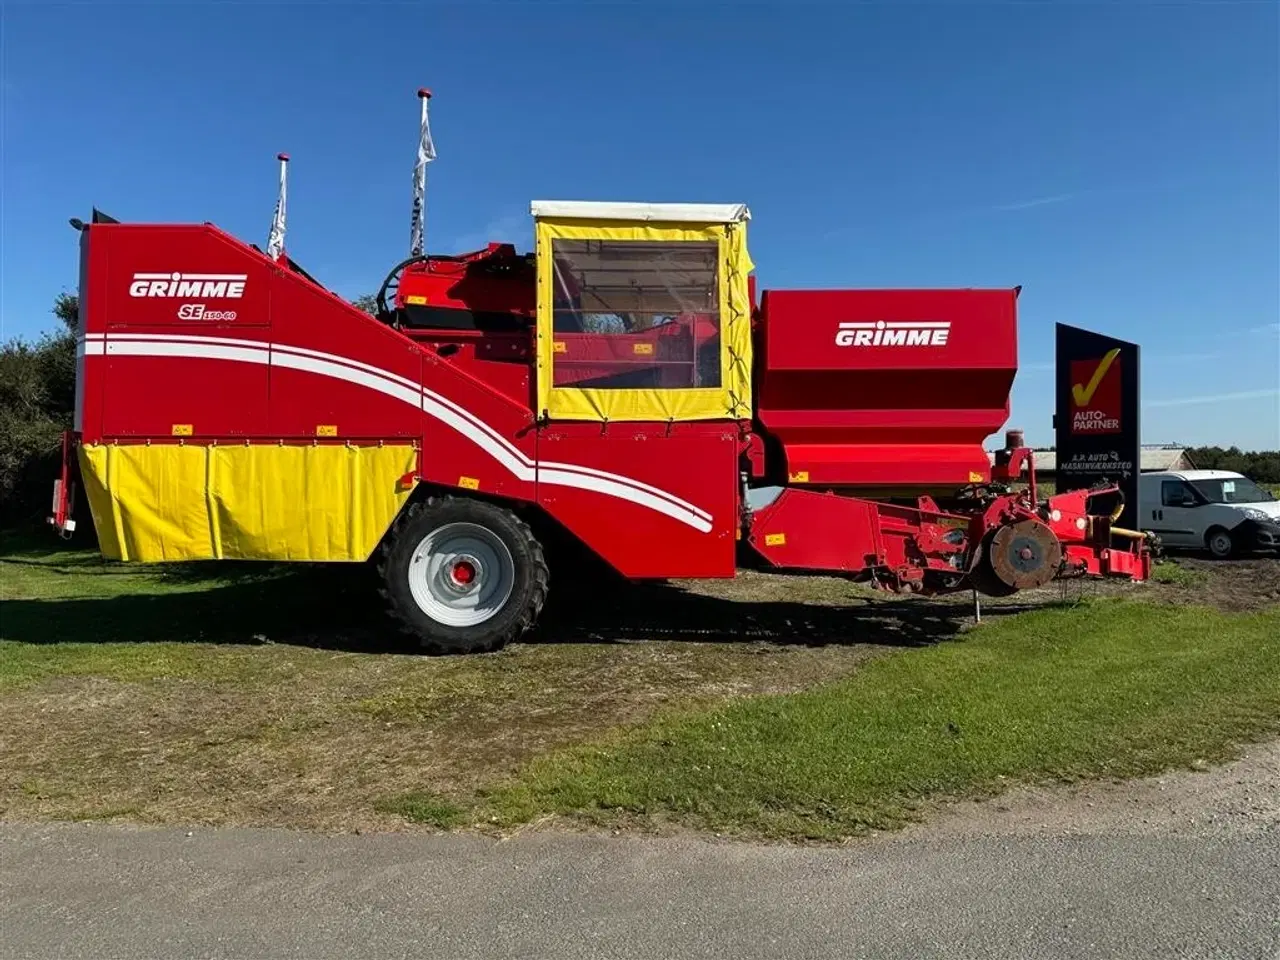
764,706
1112,690
250,694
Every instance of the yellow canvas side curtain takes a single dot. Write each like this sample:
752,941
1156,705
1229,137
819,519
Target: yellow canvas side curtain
167,501
613,280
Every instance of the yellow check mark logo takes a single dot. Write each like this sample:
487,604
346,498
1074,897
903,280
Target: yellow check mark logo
1083,392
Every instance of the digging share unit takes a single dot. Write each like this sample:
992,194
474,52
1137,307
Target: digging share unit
622,388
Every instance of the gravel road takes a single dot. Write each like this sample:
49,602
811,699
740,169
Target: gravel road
1186,865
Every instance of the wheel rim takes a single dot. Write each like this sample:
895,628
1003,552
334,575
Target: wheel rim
461,574
1025,555
1220,544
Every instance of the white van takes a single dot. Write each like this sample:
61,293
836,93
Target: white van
1219,510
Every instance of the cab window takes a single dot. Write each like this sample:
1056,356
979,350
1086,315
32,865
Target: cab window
630,314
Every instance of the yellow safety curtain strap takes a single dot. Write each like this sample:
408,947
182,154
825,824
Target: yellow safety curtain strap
737,368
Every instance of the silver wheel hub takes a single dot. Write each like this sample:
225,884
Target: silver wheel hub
461,574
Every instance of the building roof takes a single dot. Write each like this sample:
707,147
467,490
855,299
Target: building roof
1153,457
1164,458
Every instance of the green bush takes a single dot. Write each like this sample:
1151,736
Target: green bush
37,397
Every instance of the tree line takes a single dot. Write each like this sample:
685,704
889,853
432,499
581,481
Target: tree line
37,396
1262,466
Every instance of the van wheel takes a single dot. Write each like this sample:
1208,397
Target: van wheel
1219,543
463,576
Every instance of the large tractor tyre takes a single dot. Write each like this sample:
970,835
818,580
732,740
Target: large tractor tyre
463,576
1220,544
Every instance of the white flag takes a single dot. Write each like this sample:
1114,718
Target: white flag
426,153
275,239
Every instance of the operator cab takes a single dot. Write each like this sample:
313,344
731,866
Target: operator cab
643,311
636,297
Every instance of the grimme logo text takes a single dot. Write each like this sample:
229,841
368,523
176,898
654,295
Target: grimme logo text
212,286
894,333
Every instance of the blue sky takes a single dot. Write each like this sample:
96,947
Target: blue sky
1119,160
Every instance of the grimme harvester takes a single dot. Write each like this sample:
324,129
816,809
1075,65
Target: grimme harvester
622,387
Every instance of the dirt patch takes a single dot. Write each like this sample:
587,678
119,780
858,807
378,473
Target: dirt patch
1237,586
1234,586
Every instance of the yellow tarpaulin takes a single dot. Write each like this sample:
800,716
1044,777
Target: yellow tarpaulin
729,398
162,502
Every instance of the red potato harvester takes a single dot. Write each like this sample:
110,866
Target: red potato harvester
622,388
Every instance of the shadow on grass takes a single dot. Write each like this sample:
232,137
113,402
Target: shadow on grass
668,612
176,574
62,558
324,607
79,557
337,607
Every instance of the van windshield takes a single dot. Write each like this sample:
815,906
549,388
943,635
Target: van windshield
1231,490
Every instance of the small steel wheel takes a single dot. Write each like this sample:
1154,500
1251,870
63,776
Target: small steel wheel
1025,555
982,577
463,576
1220,543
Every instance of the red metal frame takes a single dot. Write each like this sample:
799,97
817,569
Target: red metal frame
189,333
64,490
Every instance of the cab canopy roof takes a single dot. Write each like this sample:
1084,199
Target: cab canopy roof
640,212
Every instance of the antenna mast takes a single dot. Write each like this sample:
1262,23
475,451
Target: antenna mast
275,238
426,153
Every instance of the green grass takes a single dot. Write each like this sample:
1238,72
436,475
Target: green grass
140,623
1171,572
268,695
424,808
259,694
1111,689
